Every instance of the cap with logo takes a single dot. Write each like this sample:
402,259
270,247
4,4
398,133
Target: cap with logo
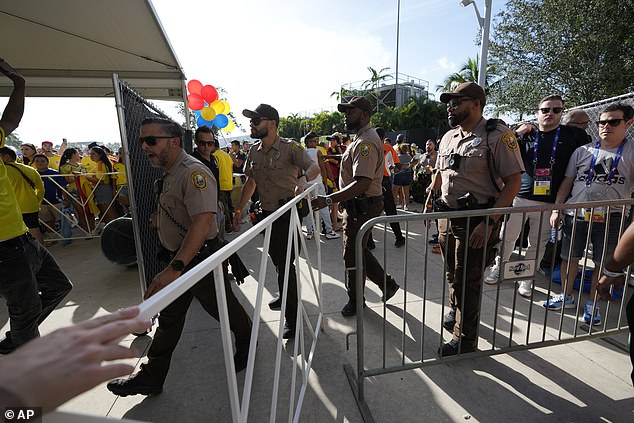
262,111
356,101
466,89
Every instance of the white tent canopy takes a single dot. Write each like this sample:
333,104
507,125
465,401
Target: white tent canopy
71,48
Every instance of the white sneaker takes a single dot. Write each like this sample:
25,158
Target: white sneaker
525,288
310,235
405,208
492,272
332,235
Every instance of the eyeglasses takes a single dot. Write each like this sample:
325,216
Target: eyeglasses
205,143
455,102
257,120
611,122
151,140
546,110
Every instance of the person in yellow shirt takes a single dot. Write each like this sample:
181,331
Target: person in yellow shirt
32,282
121,181
53,159
225,166
102,184
29,190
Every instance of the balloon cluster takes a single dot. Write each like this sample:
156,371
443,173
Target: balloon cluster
209,109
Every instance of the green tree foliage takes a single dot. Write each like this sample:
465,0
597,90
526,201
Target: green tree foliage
468,72
581,49
13,140
418,113
323,123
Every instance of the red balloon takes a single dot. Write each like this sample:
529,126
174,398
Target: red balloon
195,101
194,86
209,93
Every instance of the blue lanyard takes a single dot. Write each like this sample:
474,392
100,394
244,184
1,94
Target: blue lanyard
552,153
593,162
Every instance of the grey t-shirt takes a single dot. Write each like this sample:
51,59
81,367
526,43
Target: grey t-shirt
599,190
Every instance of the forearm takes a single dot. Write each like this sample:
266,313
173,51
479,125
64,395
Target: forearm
247,192
14,110
312,172
564,190
358,187
624,253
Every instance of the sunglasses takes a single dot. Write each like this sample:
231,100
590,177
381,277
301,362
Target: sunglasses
257,120
205,143
455,102
546,110
151,140
611,122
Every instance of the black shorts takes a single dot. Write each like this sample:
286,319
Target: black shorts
31,220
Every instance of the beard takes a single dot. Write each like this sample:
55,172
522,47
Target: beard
456,119
259,133
353,126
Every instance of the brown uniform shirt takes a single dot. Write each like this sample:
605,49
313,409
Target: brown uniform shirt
472,174
275,171
363,157
189,188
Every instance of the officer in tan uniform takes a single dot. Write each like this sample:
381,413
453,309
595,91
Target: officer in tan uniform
468,180
361,194
188,231
273,166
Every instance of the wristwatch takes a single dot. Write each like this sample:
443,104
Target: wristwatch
177,265
328,201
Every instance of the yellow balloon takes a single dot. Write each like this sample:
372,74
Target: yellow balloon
227,107
230,126
208,113
218,106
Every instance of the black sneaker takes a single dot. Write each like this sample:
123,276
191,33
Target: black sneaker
451,348
6,345
371,244
399,242
449,320
289,331
276,304
241,358
391,290
433,240
136,385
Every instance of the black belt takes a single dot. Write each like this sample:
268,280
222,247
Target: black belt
26,235
441,206
375,199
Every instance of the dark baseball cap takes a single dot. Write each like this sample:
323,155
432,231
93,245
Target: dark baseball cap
92,144
310,135
335,136
359,102
262,111
466,89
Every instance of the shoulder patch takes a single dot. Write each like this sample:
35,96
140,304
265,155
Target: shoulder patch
199,179
364,149
509,140
296,145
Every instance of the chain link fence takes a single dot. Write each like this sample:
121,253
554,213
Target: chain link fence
132,109
594,111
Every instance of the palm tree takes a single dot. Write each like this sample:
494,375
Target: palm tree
372,84
468,73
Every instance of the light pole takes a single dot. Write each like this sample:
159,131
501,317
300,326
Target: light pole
398,25
485,24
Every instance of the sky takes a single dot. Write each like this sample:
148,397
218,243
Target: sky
291,55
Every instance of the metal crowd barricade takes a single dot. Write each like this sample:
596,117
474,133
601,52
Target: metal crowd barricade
73,221
510,315
171,292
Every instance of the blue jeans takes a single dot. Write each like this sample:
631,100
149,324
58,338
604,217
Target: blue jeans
32,283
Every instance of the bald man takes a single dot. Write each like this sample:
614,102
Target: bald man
578,118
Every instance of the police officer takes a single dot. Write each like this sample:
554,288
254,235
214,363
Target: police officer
361,193
468,179
188,232
273,166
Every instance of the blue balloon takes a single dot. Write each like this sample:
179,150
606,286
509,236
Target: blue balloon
221,121
202,122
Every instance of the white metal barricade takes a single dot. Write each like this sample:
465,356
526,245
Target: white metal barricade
160,300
